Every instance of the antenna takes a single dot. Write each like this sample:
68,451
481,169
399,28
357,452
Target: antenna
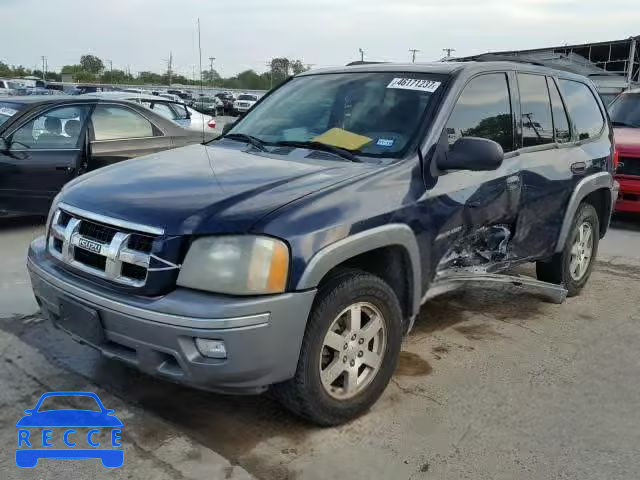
200,57
361,54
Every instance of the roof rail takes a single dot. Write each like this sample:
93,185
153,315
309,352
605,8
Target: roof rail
360,62
494,57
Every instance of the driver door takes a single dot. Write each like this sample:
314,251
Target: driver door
44,153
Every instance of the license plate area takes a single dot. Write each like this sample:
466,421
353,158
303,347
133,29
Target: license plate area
80,321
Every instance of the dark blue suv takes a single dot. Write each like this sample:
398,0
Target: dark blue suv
295,252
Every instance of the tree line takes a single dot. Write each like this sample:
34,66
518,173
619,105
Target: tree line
92,69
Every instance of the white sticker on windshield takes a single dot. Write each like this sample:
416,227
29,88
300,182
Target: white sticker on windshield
8,111
414,84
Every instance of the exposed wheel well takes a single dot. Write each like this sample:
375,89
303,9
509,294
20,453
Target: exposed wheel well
601,201
391,264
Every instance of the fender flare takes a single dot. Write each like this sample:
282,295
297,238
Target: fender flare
586,186
394,234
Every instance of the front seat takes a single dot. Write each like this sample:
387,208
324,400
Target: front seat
72,130
53,132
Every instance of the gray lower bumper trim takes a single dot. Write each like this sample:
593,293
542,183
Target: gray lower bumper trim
177,320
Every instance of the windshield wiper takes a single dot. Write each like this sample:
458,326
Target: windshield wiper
241,137
340,152
623,124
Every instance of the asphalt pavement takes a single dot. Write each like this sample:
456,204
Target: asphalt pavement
491,385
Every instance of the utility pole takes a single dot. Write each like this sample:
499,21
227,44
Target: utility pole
448,51
211,60
361,54
44,68
270,65
170,68
413,54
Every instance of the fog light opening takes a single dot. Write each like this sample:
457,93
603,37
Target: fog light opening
211,348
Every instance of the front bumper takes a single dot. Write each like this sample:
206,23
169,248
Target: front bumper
629,196
262,335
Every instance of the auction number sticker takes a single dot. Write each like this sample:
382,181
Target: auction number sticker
414,84
8,111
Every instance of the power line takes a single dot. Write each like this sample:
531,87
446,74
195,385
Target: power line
413,54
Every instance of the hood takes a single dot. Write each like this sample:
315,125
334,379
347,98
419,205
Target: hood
627,140
204,189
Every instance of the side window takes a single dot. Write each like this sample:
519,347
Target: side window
583,109
483,110
111,123
163,109
560,119
537,126
59,128
181,111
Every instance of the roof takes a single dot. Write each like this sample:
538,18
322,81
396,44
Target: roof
440,68
122,96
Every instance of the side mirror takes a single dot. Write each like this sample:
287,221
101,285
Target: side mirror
4,145
472,153
227,127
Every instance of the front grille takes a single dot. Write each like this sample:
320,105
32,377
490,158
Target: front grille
107,251
629,166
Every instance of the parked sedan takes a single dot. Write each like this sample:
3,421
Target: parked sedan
45,141
176,111
209,105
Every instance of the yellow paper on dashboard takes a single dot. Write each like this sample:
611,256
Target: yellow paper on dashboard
343,139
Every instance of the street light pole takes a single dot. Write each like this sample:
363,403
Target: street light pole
413,54
361,54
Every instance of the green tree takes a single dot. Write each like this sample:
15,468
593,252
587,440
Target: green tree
298,67
91,64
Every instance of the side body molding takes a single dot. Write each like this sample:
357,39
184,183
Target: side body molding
586,186
384,236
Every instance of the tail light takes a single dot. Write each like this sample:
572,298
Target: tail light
616,158
212,123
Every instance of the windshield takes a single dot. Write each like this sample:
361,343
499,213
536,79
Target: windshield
371,114
625,111
8,110
251,98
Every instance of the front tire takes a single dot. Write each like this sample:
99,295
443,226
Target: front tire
349,351
572,267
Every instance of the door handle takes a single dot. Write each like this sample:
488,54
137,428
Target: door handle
578,168
65,169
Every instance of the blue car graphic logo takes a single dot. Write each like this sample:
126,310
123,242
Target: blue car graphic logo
33,446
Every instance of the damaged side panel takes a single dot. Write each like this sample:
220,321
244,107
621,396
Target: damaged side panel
480,248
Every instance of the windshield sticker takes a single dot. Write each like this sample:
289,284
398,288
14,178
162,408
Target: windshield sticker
414,84
385,142
8,111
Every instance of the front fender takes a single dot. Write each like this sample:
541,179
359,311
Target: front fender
342,250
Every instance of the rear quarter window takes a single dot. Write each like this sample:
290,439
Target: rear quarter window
583,108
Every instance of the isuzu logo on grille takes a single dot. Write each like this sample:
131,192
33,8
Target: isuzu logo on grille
90,245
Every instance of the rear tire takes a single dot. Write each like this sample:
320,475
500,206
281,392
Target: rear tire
334,385
572,267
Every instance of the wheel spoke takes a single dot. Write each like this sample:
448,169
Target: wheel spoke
355,318
335,341
573,266
574,249
351,380
587,235
371,359
333,371
371,328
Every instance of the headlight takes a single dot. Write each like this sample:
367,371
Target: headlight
54,207
236,265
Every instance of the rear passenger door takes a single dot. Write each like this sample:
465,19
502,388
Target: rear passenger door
119,132
552,156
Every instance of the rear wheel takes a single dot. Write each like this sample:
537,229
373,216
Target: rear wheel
349,352
572,267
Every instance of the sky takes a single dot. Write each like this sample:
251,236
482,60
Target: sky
243,34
